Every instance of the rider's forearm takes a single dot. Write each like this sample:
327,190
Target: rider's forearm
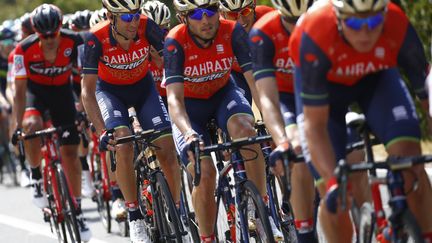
178,114
251,83
92,109
269,99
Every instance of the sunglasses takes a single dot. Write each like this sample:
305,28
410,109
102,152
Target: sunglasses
49,36
128,17
235,15
198,13
357,23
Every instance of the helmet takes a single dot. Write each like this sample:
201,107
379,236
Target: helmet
188,5
157,11
359,6
292,8
6,33
122,6
80,20
98,16
26,25
234,5
46,19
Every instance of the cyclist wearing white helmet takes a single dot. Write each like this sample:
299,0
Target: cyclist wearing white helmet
198,59
348,51
161,14
116,77
273,71
246,13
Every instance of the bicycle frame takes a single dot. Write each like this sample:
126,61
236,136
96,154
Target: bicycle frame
103,167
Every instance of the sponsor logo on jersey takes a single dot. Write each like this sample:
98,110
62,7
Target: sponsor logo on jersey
127,58
18,62
219,48
52,71
285,65
360,69
209,70
67,52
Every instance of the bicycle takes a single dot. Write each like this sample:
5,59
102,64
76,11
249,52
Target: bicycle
100,176
247,200
62,207
402,221
155,200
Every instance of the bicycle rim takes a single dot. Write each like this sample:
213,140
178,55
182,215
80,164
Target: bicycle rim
263,232
188,217
170,220
53,215
69,211
103,207
366,224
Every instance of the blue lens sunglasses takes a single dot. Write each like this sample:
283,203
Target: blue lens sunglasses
128,17
198,13
356,23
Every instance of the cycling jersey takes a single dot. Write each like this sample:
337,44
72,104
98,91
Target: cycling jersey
323,54
260,11
29,61
114,65
270,52
204,71
157,74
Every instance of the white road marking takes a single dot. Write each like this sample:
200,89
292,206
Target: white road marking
39,229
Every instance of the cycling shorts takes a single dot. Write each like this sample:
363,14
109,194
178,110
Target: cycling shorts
59,102
225,103
242,84
385,101
114,101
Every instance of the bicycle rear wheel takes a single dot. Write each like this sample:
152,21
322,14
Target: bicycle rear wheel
252,202
68,206
167,217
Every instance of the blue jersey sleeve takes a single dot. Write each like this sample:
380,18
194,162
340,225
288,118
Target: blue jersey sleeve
155,36
173,61
262,53
92,53
412,60
240,45
314,66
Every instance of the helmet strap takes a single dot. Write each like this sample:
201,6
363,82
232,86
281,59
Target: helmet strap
114,27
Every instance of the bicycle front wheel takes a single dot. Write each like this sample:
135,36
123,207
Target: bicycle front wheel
252,208
68,208
167,216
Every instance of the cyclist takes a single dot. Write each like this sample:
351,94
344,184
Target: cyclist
115,78
42,68
246,13
80,23
98,16
273,71
198,59
346,51
161,15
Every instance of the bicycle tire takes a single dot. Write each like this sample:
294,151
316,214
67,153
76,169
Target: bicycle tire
53,213
250,191
411,228
188,216
166,211
69,210
366,223
103,203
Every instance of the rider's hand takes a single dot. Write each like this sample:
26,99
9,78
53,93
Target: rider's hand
16,135
106,141
192,140
332,199
276,157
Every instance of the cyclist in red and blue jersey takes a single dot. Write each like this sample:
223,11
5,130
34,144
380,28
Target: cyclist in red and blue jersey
116,77
80,23
348,51
273,70
42,69
246,13
161,15
198,56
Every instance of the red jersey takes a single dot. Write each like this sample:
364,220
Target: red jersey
323,55
113,64
204,71
270,53
30,63
157,74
